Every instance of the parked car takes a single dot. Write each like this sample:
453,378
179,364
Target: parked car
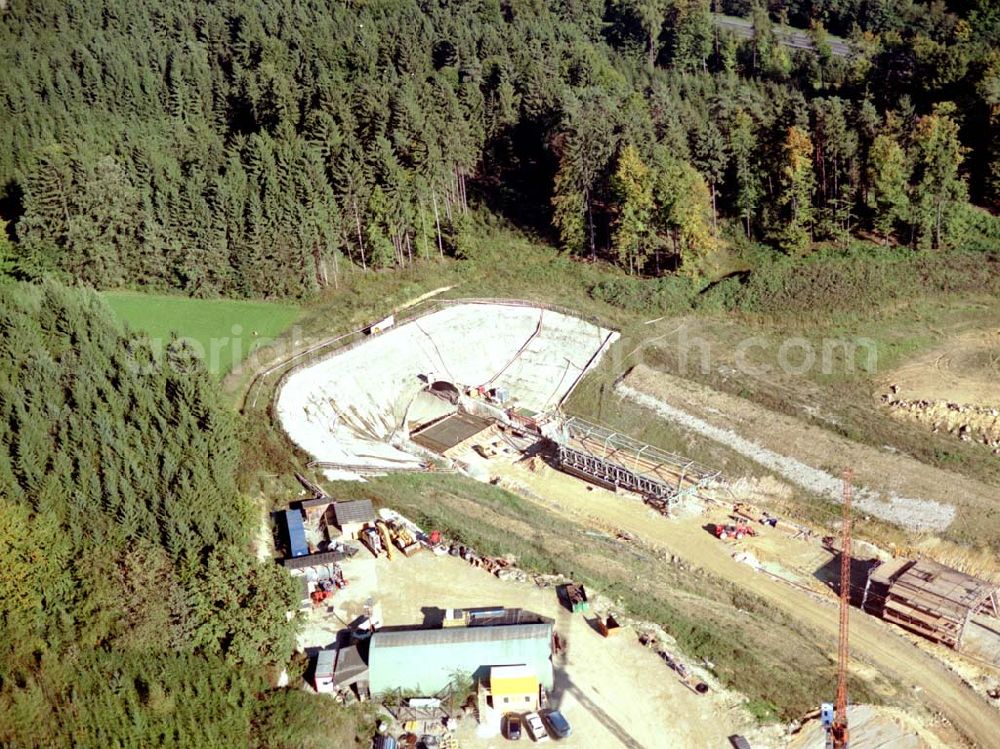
511,726
535,727
739,742
557,723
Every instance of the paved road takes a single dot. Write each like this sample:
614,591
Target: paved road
792,38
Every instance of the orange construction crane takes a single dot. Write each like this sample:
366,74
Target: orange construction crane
838,729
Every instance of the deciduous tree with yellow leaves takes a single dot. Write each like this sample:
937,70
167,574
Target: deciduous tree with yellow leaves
794,231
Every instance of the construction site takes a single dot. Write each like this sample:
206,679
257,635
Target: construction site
477,388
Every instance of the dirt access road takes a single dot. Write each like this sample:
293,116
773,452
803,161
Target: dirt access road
614,692
785,35
872,641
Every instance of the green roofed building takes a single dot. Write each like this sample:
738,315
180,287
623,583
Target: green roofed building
427,660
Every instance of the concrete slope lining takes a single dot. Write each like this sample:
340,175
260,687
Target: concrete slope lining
348,408
534,334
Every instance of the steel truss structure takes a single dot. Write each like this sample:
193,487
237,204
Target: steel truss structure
617,461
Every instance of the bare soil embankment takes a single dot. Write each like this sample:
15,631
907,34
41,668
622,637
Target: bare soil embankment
953,389
897,488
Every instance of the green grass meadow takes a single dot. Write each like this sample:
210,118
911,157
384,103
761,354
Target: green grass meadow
224,331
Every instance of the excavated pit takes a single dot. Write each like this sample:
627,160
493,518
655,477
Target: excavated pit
356,406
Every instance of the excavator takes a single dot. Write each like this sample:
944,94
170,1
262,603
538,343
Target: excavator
383,532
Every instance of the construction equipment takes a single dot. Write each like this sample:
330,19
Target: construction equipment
405,540
370,537
383,532
738,530
609,626
837,733
338,579
577,598
319,595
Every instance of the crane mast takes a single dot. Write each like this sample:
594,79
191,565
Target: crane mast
838,729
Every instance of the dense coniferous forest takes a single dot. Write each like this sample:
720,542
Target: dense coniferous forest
132,612
260,149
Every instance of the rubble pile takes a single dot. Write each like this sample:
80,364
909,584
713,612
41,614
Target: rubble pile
969,423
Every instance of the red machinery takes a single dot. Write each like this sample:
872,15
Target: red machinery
738,530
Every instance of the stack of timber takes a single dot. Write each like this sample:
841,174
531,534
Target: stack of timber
928,598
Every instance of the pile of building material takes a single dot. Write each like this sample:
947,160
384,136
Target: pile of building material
967,422
928,598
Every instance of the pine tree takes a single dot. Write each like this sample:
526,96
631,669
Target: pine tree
7,262
743,146
585,147
692,35
711,158
570,208
651,15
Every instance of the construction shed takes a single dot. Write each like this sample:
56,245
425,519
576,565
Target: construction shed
513,689
321,559
297,546
323,678
340,668
427,661
351,517
316,509
928,598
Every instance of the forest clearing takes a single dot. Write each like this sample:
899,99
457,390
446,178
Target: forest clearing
891,661
224,331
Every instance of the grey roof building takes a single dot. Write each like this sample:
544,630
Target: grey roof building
337,668
427,660
359,511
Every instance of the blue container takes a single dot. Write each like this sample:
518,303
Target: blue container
296,533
